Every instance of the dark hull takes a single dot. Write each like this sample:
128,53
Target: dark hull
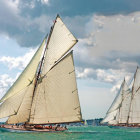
3,129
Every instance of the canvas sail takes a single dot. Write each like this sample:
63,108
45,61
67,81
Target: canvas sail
134,114
23,112
114,109
110,117
60,41
56,97
14,97
26,76
12,104
124,109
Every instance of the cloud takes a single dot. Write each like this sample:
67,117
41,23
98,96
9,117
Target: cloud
19,62
45,1
27,31
110,76
27,21
110,42
5,82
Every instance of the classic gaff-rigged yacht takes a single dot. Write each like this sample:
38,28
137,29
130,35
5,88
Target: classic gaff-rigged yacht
46,91
125,109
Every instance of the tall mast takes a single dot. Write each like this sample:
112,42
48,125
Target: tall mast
41,63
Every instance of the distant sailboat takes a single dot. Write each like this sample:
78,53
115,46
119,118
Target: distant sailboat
127,110
112,116
85,123
46,91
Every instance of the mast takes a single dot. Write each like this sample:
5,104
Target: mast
41,63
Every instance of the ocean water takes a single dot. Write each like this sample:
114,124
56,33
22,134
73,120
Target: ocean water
77,133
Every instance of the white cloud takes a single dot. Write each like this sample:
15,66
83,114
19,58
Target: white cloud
110,76
45,1
114,33
5,82
86,73
19,62
13,5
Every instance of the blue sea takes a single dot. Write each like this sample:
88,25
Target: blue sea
77,133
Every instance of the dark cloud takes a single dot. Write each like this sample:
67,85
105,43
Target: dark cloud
21,21
83,7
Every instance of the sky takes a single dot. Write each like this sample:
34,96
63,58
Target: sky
107,51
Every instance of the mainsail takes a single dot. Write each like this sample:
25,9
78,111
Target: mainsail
56,99
46,91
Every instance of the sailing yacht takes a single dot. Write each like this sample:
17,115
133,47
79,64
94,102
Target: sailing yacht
126,112
113,114
46,91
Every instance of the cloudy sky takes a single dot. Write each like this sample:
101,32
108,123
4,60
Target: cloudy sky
108,49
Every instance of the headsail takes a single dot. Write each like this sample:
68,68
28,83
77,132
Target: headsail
56,98
23,112
14,97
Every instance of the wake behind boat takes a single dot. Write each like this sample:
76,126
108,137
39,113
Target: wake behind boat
46,91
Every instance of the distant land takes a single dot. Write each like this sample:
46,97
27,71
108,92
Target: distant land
94,122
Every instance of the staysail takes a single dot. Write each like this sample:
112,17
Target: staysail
14,96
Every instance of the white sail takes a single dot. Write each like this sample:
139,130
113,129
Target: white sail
12,104
26,76
60,41
23,112
56,97
46,93
134,114
114,110
110,117
115,118
124,109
